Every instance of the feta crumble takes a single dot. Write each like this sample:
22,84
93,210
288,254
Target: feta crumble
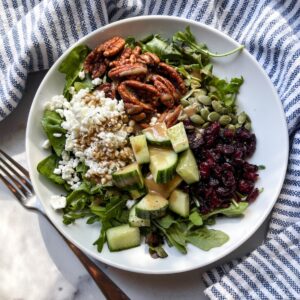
58,202
96,81
58,135
81,75
46,144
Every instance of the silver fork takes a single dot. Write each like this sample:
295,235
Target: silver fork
16,178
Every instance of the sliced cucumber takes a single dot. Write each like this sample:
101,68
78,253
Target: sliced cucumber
152,205
179,203
137,193
123,237
187,167
162,164
135,221
140,149
178,137
129,177
162,189
157,135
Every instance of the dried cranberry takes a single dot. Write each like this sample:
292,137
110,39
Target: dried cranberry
253,195
245,186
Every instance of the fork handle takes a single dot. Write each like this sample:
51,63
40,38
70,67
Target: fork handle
109,289
107,286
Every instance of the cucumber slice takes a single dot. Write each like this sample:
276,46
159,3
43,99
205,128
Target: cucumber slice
135,221
123,237
178,137
187,167
157,135
162,164
130,177
179,203
140,149
162,189
137,193
152,205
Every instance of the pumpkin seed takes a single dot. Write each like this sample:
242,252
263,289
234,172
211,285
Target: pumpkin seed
238,125
196,119
233,119
204,100
231,127
224,120
213,116
184,102
242,117
205,125
204,113
217,106
248,126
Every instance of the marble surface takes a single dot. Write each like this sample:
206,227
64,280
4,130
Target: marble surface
36,264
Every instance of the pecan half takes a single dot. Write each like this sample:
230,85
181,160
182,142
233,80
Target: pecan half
135,92
109,89
171,116
139,117
95,63
149,59
113,46
173,75
129,70
133,109
168,94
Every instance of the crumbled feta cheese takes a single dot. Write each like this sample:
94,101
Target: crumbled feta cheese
46,144
57,171
96,81
153,121
58,202
57,134
81,75
130,203
56,102
72,90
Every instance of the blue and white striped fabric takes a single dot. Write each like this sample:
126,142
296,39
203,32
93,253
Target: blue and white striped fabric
35,33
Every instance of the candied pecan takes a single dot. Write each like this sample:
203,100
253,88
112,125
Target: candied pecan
123,59
108,88
173,75
95,63
113,46
135,92
168,94
172,116
137,50
139,117
127,70
133,109
148,58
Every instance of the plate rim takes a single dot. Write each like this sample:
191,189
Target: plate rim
232,247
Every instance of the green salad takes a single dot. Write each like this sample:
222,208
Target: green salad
144,141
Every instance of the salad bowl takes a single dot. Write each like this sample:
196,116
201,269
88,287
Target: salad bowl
257,96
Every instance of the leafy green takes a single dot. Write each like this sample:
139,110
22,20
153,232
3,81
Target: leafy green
157,252
72,65
207,239
230,211
51,123
47,166
86,83
166,221
196,218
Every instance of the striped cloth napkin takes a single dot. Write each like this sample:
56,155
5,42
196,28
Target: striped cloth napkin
34,33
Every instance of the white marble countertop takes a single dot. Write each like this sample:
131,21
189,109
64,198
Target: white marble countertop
36,264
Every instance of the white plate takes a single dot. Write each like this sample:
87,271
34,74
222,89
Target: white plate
258,97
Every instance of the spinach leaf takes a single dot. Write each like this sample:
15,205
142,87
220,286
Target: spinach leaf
230,211
196,218
207,239
51,123
47,166
72,65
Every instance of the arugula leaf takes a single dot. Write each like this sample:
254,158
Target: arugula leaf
230,211
72,65
166,221
51,123
157,252
196,218
47,166
207,239
102,238
130,42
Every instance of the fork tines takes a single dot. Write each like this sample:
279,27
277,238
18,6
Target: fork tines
15,177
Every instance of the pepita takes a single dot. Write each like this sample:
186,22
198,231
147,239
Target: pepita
196,119
213,116
204,113
242,117
217,106
248,126
224,120
184,102
204,100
